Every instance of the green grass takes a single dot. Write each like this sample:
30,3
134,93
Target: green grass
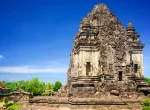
15,106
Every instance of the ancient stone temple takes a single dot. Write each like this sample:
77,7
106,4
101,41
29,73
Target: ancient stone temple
106,58
106,66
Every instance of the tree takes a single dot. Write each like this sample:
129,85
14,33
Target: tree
27,86
35,86
49,86
43,86
49,89
147,80
14,85
57,86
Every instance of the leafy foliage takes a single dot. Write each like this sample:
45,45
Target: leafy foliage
5,100
57,86
45,94
8,104
13,85
49,86
146,104
146,108
147,80
34,86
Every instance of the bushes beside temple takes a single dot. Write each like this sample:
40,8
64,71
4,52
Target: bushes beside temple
147,80
34,86
146,104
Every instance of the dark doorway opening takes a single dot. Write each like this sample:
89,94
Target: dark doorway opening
135,67
88,68
145,93
120,75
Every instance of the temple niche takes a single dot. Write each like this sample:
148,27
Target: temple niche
106,57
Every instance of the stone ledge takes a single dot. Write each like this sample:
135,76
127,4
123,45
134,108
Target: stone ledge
84,101
95,101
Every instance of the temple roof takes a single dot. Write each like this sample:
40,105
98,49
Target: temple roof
100,16
99,7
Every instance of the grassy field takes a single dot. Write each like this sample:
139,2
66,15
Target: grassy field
15,106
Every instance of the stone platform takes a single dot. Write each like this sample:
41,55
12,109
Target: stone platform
83,107
65,103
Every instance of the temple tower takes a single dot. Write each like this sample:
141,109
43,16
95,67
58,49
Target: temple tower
105,57
135,50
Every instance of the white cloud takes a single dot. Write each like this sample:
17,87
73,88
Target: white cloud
32,69
1,57
53,66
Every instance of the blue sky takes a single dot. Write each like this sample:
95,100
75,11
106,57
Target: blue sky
36,36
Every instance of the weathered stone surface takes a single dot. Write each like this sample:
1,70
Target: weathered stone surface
82,107
48,99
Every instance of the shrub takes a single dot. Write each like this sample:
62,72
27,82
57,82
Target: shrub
146,102
147,80
8,104
57,86
5,100
45,94
11,109
146,108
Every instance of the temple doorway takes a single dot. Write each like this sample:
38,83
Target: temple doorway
120,75
135,68
88,68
